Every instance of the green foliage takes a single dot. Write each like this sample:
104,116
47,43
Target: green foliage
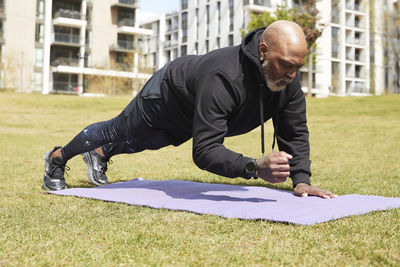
305,15
354,150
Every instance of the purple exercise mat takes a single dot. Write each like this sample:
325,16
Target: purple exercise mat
234,201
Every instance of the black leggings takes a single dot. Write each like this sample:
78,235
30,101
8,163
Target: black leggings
96,135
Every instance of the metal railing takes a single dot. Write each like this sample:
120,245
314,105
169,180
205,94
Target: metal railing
65,61
65,13
170,43
126,22
65,86
128,2
123,45
172,27
356,89
66,38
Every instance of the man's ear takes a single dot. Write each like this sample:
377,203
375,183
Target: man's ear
264,49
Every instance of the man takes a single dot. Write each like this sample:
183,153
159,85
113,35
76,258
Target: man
226,92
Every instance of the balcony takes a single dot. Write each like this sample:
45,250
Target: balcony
123,46
70,87
126,4
172,27
171,43
65,61
127,26
65,13
126,22
64,38
69,18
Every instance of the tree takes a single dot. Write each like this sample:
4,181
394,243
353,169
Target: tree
303,13
391,35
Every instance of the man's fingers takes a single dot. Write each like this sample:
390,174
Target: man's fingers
280,167
285,155
321,193
308,190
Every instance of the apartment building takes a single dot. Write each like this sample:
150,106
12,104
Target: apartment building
346,57
53,46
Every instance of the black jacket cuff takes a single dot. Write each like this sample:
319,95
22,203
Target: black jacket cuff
300,177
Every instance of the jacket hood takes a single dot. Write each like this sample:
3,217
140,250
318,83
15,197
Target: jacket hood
250,46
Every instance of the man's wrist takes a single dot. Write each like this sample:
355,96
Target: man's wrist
251,168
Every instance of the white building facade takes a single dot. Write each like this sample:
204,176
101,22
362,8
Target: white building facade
60,43
348,61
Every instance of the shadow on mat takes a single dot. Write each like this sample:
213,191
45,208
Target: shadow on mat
187,190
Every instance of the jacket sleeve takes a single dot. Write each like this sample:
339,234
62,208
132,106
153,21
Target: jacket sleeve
292,135
215,100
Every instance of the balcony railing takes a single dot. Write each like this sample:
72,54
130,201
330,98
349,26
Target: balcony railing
65,86
357,89
126,46
65,61
128,2
357,41
126,22
65,13
66,38
170,43
172,27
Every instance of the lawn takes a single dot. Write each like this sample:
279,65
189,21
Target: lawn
355,149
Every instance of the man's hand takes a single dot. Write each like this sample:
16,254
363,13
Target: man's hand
304,190
274,168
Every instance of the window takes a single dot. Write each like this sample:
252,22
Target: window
184,4
219,16
37,81
125,41
197,24
154,59
40,9
184,26
183,50
39,33
230,39
231,11
208,20
39,57
126,18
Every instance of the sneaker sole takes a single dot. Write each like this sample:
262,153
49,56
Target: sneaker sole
88,161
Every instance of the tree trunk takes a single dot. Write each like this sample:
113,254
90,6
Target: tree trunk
310,80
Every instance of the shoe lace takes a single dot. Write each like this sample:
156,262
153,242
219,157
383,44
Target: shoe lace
59,170
103,166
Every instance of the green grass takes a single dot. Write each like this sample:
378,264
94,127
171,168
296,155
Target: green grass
355,148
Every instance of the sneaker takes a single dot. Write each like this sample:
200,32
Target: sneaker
54,171
97,167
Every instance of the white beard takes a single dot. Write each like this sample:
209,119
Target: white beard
274,85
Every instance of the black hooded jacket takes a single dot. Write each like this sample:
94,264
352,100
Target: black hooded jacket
217,95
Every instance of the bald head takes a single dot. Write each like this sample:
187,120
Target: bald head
282,50
283,34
